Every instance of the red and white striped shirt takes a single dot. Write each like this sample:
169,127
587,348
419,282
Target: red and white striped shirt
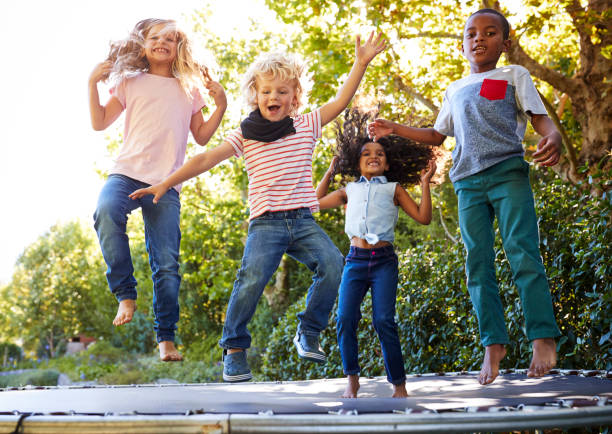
280,172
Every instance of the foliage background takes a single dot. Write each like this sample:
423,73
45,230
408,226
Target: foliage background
58,289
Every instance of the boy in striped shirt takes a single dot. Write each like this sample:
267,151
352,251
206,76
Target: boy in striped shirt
277,144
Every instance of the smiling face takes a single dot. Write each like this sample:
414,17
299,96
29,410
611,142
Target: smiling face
373,160
483,42
276,98
161,44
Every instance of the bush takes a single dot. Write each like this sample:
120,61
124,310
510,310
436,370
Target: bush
437,327
45,377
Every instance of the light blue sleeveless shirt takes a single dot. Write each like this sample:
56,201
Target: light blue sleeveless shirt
370,211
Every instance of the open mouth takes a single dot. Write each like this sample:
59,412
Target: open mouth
479,49
273,109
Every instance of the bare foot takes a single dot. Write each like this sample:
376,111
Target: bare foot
399,391
544,357
352,387
168,352
125,312
490,365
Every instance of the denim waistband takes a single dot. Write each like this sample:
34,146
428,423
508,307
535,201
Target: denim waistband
285,214
380,252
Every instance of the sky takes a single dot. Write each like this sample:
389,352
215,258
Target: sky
49,152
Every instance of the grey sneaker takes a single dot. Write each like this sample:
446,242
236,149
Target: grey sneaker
235,367
308,348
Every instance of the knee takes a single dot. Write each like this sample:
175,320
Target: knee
384,324
346,321
108,215
331,265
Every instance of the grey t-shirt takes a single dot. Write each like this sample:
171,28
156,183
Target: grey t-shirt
487,113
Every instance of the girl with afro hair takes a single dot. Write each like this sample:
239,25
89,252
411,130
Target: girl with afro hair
377,173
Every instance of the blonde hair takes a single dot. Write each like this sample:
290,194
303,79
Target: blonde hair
128,55
281,66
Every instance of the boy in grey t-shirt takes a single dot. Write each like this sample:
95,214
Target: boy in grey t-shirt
487,112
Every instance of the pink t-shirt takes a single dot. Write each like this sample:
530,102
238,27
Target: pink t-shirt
280,172
157,119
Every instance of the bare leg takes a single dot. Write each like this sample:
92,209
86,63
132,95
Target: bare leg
490,365
125,312
544,357
399,391
168,352
352,387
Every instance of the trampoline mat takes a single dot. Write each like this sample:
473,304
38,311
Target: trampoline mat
427,392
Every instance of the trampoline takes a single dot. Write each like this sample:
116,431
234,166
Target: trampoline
453,402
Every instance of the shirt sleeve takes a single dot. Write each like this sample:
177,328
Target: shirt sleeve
236,140
118,91
527,95
313,120
444,122
198,102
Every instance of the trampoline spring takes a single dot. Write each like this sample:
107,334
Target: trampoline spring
601,400
405,411
266,413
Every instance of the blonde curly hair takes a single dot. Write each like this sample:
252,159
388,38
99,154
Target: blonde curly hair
286,67
128,55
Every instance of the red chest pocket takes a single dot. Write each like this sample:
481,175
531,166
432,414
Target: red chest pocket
493,89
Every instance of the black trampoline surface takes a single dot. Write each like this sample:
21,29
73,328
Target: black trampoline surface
427,393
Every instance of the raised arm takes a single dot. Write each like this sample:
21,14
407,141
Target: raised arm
195,166
363,56
382,127
333,199
549,147
203,130
421,212
102,116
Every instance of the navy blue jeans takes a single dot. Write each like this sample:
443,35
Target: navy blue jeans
162,238
270,236
365,269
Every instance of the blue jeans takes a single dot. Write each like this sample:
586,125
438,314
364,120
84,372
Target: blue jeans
503,191
162,237
270,236
375,269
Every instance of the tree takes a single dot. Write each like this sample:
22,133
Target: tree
58,290
569,50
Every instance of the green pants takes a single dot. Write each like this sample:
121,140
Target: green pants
503,191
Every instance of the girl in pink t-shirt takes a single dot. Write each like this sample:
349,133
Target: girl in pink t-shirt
156,83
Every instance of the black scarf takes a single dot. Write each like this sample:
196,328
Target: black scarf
256,127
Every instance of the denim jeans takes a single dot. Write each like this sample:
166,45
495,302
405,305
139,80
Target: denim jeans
365,269
503,191
270,235
162,238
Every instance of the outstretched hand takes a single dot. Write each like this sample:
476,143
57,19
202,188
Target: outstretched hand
157,190
366,52
380,128
549,150
428,173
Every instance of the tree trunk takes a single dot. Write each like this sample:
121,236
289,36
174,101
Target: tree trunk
590,90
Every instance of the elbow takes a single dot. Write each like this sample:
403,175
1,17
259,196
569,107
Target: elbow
97,127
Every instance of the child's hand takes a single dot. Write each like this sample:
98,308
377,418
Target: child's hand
366,52
380,128
101,71
549,150
332,164
216,91
158,190
428,173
